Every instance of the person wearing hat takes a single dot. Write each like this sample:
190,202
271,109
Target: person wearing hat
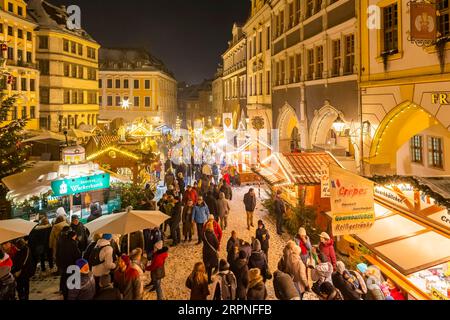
262,234
303,241
107,292
157,268
105,256
67,255
127,279
7,281
225,283
280,211
240,270
258,260
284,287
87,283
347,284
82,232
292,264
256,288
326,247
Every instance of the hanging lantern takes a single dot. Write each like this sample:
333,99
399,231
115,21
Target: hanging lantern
339,125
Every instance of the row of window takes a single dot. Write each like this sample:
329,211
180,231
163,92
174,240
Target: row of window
255,43
125,84
69,46
343,61
20,9
235,87
118,101
78,97
77,71
24,84
25,114
20,33
257,82
435,151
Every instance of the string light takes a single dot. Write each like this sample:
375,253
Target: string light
109,149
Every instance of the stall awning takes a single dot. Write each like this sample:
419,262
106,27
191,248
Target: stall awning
405,243
295,168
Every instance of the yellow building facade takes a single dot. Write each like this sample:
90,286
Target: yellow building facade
404,90
68,62
18,61
134,85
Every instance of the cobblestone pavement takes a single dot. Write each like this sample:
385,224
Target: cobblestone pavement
183,257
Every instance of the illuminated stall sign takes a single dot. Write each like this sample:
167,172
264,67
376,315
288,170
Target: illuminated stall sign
80,185
352,202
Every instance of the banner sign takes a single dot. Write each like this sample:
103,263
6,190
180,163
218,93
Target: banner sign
437,295
80,185
352,202
423,21
325,185
228,121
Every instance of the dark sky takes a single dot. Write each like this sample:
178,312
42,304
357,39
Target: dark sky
188,35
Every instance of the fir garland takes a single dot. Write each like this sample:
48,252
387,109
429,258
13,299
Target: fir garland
416,184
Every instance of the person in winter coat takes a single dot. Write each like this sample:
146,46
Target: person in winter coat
86,291
151,236
190,194
169,179
210,250
136,263
23,269
226,189
322,272
181,184
215,173
223,209
284,286
211,202
346,283
303,241
39,244
258,260
240,270
157,268
280,211
250,206
292,264
136,241
374,281
217,229
233,245
176,221
106,254
82,233
225,283
106,291
59,224
197,282
7,281
67,255
200,216
327,248
127,280
188,226
256,288
262,234
328,292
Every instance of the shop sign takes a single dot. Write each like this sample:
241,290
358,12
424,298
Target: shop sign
228,121
437,295
423,21
352,202
80,185
325,185
390,196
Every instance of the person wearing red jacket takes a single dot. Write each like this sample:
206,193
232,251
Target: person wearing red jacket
327,248
190,194
127,280
217,229
157,269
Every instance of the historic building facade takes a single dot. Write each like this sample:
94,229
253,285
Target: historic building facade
235,76
257,30
405,92
68,63
21,77
218,103
315,81
135,85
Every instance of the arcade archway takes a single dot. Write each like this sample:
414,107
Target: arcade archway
289,129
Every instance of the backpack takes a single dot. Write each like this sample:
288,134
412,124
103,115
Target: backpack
94,257
228,286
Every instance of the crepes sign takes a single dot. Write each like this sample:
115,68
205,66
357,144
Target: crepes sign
68,187
352,202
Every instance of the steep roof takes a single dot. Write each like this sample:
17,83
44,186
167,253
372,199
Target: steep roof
130,59
49,16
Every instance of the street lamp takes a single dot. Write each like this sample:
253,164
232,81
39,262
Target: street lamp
339,125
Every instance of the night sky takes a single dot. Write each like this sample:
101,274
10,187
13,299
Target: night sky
189,36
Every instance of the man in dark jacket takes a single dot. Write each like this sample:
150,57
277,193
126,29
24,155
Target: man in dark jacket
233,248
39,244
280,211
82,233
250,206
67,255
107,291
240,270
258,260
23,269
226,189
262,234
284,286
211,202
176,221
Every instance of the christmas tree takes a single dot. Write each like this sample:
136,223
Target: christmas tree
13,153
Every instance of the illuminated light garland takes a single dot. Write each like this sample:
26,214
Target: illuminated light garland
126,153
